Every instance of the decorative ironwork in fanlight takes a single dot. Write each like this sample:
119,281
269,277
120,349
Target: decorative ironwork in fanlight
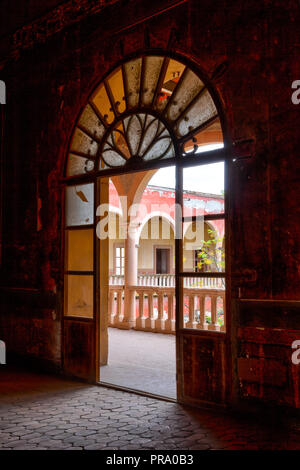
135,138
150,108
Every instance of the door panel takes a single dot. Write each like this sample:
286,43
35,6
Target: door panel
79,347
202,343
79,330
203,361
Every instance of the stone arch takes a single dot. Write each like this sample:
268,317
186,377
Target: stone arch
150,216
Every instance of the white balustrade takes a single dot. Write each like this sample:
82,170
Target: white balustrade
116,280
155,298
168,280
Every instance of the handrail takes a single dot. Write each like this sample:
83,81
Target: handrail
168,280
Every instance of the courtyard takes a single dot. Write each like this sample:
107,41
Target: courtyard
142,361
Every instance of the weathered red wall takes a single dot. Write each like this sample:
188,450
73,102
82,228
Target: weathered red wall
258,44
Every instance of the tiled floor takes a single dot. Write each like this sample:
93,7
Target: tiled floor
141,361
46,412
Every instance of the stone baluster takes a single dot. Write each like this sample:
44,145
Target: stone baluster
160,321
119,313
223,327
214,324
150,321
111,308
140,321
202,325
192,322
170,322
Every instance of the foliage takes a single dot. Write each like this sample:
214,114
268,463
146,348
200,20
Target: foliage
211,254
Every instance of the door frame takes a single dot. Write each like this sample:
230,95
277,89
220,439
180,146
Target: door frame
94,322
225,155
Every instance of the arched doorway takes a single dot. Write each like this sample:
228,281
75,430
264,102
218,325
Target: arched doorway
150,112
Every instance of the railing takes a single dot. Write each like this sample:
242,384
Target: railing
204,308
168,280
116,280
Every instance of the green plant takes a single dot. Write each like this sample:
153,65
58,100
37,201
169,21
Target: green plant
212,252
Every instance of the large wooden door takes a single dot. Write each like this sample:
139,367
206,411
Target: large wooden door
80,287
201,342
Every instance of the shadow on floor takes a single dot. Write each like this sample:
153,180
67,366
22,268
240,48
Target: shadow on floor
39,411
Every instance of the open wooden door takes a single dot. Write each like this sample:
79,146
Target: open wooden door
202,341
80,302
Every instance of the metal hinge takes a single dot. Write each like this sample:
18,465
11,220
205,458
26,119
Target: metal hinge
243,149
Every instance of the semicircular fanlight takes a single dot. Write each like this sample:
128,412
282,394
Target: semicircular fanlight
140,136
124,118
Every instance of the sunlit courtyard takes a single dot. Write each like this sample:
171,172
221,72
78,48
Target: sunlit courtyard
141,361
